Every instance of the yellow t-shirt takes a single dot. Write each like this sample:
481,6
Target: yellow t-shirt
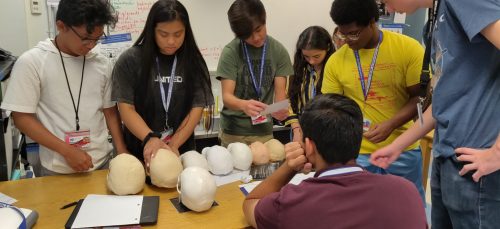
398,66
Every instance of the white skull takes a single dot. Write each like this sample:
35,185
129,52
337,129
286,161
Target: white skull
126,175
193,158
197,189
219,160
242,155
260,153
164,169
276,150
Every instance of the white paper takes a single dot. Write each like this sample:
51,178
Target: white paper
283,104
7,199
400,18
236,175
299,177
9,218
108,210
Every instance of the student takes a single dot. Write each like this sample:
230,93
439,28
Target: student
465,57
380,70
336,41
341,194
313,49
59,93
252,69
162,84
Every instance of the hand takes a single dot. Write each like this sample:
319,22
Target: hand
296,158
482,161
153,145
78,159
379,132
385,156
253,107
280,115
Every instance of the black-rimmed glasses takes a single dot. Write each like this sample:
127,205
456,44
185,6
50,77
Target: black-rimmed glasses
87,40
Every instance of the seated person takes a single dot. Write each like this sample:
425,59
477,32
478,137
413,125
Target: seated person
341,194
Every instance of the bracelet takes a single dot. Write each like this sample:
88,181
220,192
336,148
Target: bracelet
149,136
297,127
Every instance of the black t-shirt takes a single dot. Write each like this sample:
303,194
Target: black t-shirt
126,78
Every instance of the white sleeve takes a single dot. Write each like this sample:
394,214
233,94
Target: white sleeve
23,88
107,103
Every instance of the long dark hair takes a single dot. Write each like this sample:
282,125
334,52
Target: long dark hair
314,37
190,60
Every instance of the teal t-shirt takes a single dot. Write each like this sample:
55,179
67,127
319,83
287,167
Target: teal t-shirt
233,66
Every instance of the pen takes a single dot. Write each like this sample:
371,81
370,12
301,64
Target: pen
69,205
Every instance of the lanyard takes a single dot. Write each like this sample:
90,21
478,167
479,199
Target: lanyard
366,88
250,67
75,107
313,84
340,171
166,104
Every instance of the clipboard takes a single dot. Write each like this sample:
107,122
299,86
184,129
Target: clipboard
149,211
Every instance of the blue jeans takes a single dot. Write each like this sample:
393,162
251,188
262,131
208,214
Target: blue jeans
458,201
408,165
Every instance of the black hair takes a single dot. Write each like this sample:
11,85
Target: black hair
244,16
314,37
361,12
335,124
190,60
91,13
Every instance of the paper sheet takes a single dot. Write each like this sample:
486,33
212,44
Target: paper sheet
236,175
108,210
283,104
7,199
299,177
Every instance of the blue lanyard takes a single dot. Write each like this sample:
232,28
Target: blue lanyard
312,84
366,88
250,67
166,104
340,171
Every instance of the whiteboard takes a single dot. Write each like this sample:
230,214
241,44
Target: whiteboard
286,19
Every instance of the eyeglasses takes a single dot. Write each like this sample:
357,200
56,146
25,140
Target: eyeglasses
352,37
87,40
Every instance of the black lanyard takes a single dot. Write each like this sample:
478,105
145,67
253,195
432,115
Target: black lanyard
75,107
425,74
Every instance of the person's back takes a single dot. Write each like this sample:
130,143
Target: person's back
356,199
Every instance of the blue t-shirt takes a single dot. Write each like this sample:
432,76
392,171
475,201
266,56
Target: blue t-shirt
466,99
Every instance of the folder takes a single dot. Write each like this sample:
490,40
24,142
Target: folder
148,212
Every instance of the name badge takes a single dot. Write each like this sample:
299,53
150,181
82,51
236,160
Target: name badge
256,120
79,139
166,135
366,124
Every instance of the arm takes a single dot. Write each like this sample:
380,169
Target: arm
379,132
492,33
249,107
76,158
279,95
186,128
134,122
295,161
386,155
113,122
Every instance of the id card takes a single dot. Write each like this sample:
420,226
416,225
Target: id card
256,120
166,135
79,139
366,124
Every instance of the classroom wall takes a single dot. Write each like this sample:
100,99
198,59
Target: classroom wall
21,30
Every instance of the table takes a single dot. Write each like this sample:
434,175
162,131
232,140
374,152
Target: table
47,195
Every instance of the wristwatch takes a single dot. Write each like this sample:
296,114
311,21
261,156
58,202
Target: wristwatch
152,134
